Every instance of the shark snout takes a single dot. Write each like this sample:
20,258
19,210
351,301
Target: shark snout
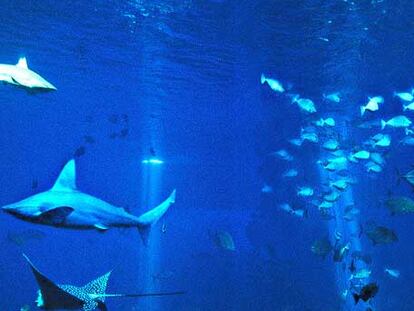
11,208
7,207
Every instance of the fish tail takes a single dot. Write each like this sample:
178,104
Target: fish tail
356,297
146,221
362,110
405,107
383,124
262,78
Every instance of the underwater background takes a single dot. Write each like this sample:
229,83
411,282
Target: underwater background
181,80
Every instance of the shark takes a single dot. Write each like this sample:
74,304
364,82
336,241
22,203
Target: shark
52,296
20,75
64,206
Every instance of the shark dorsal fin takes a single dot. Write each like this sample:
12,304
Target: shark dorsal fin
97,287
22,63
67,178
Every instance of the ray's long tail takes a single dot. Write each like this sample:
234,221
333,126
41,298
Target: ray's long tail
96,296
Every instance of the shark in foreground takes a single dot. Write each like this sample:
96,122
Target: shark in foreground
20,75
65,206
91,296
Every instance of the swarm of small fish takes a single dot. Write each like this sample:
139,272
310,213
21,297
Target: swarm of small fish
339,158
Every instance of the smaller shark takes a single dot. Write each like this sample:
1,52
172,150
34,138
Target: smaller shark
65,206
91,296
21,76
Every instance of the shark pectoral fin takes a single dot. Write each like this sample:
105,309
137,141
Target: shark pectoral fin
56,215
22,63
101,227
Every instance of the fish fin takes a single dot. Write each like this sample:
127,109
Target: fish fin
101,227
67,178
262,78
51,293
150,218
97,287
383,124
56,215
22,63
362,108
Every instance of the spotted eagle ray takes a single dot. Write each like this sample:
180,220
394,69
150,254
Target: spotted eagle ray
65,206
20,75
91,296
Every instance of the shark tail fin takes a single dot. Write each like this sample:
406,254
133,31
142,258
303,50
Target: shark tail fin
150,218
262,79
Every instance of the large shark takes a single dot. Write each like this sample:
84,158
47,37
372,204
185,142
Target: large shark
65,206
20,75
91,296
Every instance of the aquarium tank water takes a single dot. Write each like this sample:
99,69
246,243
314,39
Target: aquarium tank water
207,155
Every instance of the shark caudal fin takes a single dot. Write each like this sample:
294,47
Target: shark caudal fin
150,218
50,295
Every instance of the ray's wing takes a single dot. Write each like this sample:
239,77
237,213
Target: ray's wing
97,287
53,297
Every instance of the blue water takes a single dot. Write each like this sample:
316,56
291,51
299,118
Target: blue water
187,76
